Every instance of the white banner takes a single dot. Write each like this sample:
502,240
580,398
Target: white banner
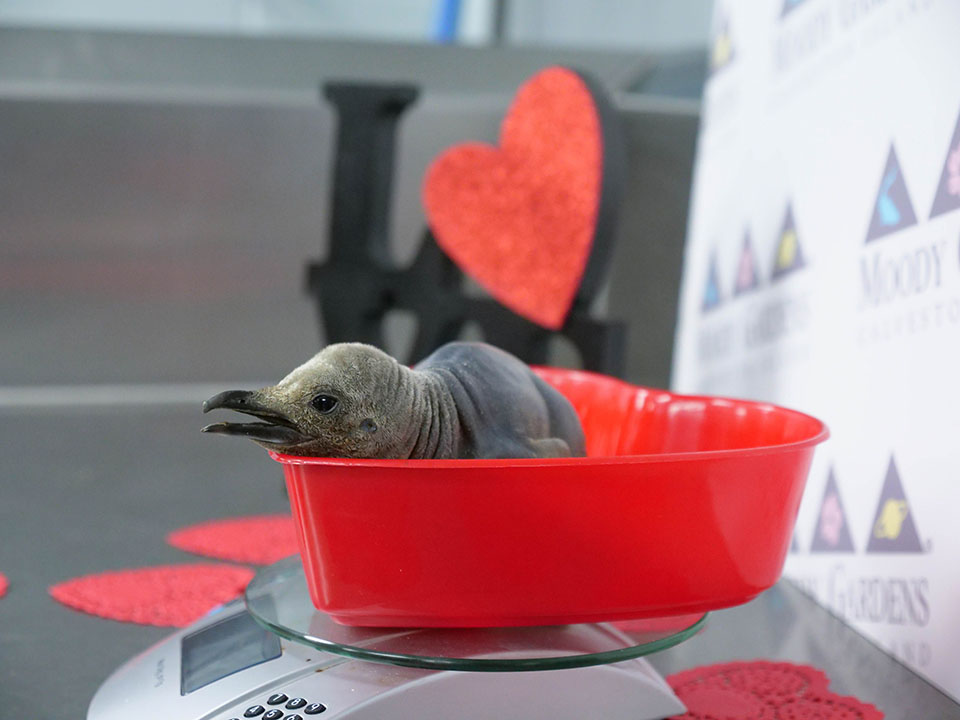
822,272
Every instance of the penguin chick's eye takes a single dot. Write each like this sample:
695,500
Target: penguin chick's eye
324,404
368,426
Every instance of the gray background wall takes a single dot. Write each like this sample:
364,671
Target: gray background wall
611,24
161,194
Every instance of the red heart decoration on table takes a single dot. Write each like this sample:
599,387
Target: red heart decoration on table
711,703
167,595
520,218
828,707
773,682
259,540
763,690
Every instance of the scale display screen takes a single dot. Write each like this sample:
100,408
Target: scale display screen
231,645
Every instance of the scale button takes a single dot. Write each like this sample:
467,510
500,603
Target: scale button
276,699
274,714
314,708
294,716
253,711
296,703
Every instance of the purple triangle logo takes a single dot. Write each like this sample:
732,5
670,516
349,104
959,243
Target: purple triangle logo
746,269
711,293
832,533
721,43
789,6
893,529
892,210
789,255
948,190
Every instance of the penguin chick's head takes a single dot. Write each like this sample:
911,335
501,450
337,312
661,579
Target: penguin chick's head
344,402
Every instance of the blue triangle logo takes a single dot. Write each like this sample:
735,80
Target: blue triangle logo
789,255
948,189
832,533
892,210
711,293
893,529
789,6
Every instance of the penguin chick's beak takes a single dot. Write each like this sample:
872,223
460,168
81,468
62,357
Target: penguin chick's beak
274,429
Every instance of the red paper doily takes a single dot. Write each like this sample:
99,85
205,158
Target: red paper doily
173,595
773,682
713,703
763,690
258,540
827,707
4,584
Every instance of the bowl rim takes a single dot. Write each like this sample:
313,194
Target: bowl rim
819,434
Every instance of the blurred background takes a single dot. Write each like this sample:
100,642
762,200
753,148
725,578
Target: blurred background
165,175
165,181
167,169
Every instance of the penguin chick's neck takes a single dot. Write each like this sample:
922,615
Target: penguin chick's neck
434,424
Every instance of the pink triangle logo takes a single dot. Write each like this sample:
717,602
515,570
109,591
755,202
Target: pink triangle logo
832,533
948,189
746,269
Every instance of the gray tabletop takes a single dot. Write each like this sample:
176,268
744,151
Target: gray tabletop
87,490
94,488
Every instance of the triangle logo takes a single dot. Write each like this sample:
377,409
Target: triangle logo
746,269
711,293
789,256
721,43
789,6
948,189
892,210
893,528
832,533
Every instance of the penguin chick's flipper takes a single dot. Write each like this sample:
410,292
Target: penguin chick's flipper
550,447
541,448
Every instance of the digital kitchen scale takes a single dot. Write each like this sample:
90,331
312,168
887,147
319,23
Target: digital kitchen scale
273,656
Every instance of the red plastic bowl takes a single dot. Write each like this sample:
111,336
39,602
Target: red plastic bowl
684,504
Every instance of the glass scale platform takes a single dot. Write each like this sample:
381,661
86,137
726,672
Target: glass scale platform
277,598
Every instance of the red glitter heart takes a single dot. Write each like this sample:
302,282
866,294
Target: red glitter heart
520,218
3,585
258,540
174,595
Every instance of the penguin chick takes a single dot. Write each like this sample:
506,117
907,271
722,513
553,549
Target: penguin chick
466,400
